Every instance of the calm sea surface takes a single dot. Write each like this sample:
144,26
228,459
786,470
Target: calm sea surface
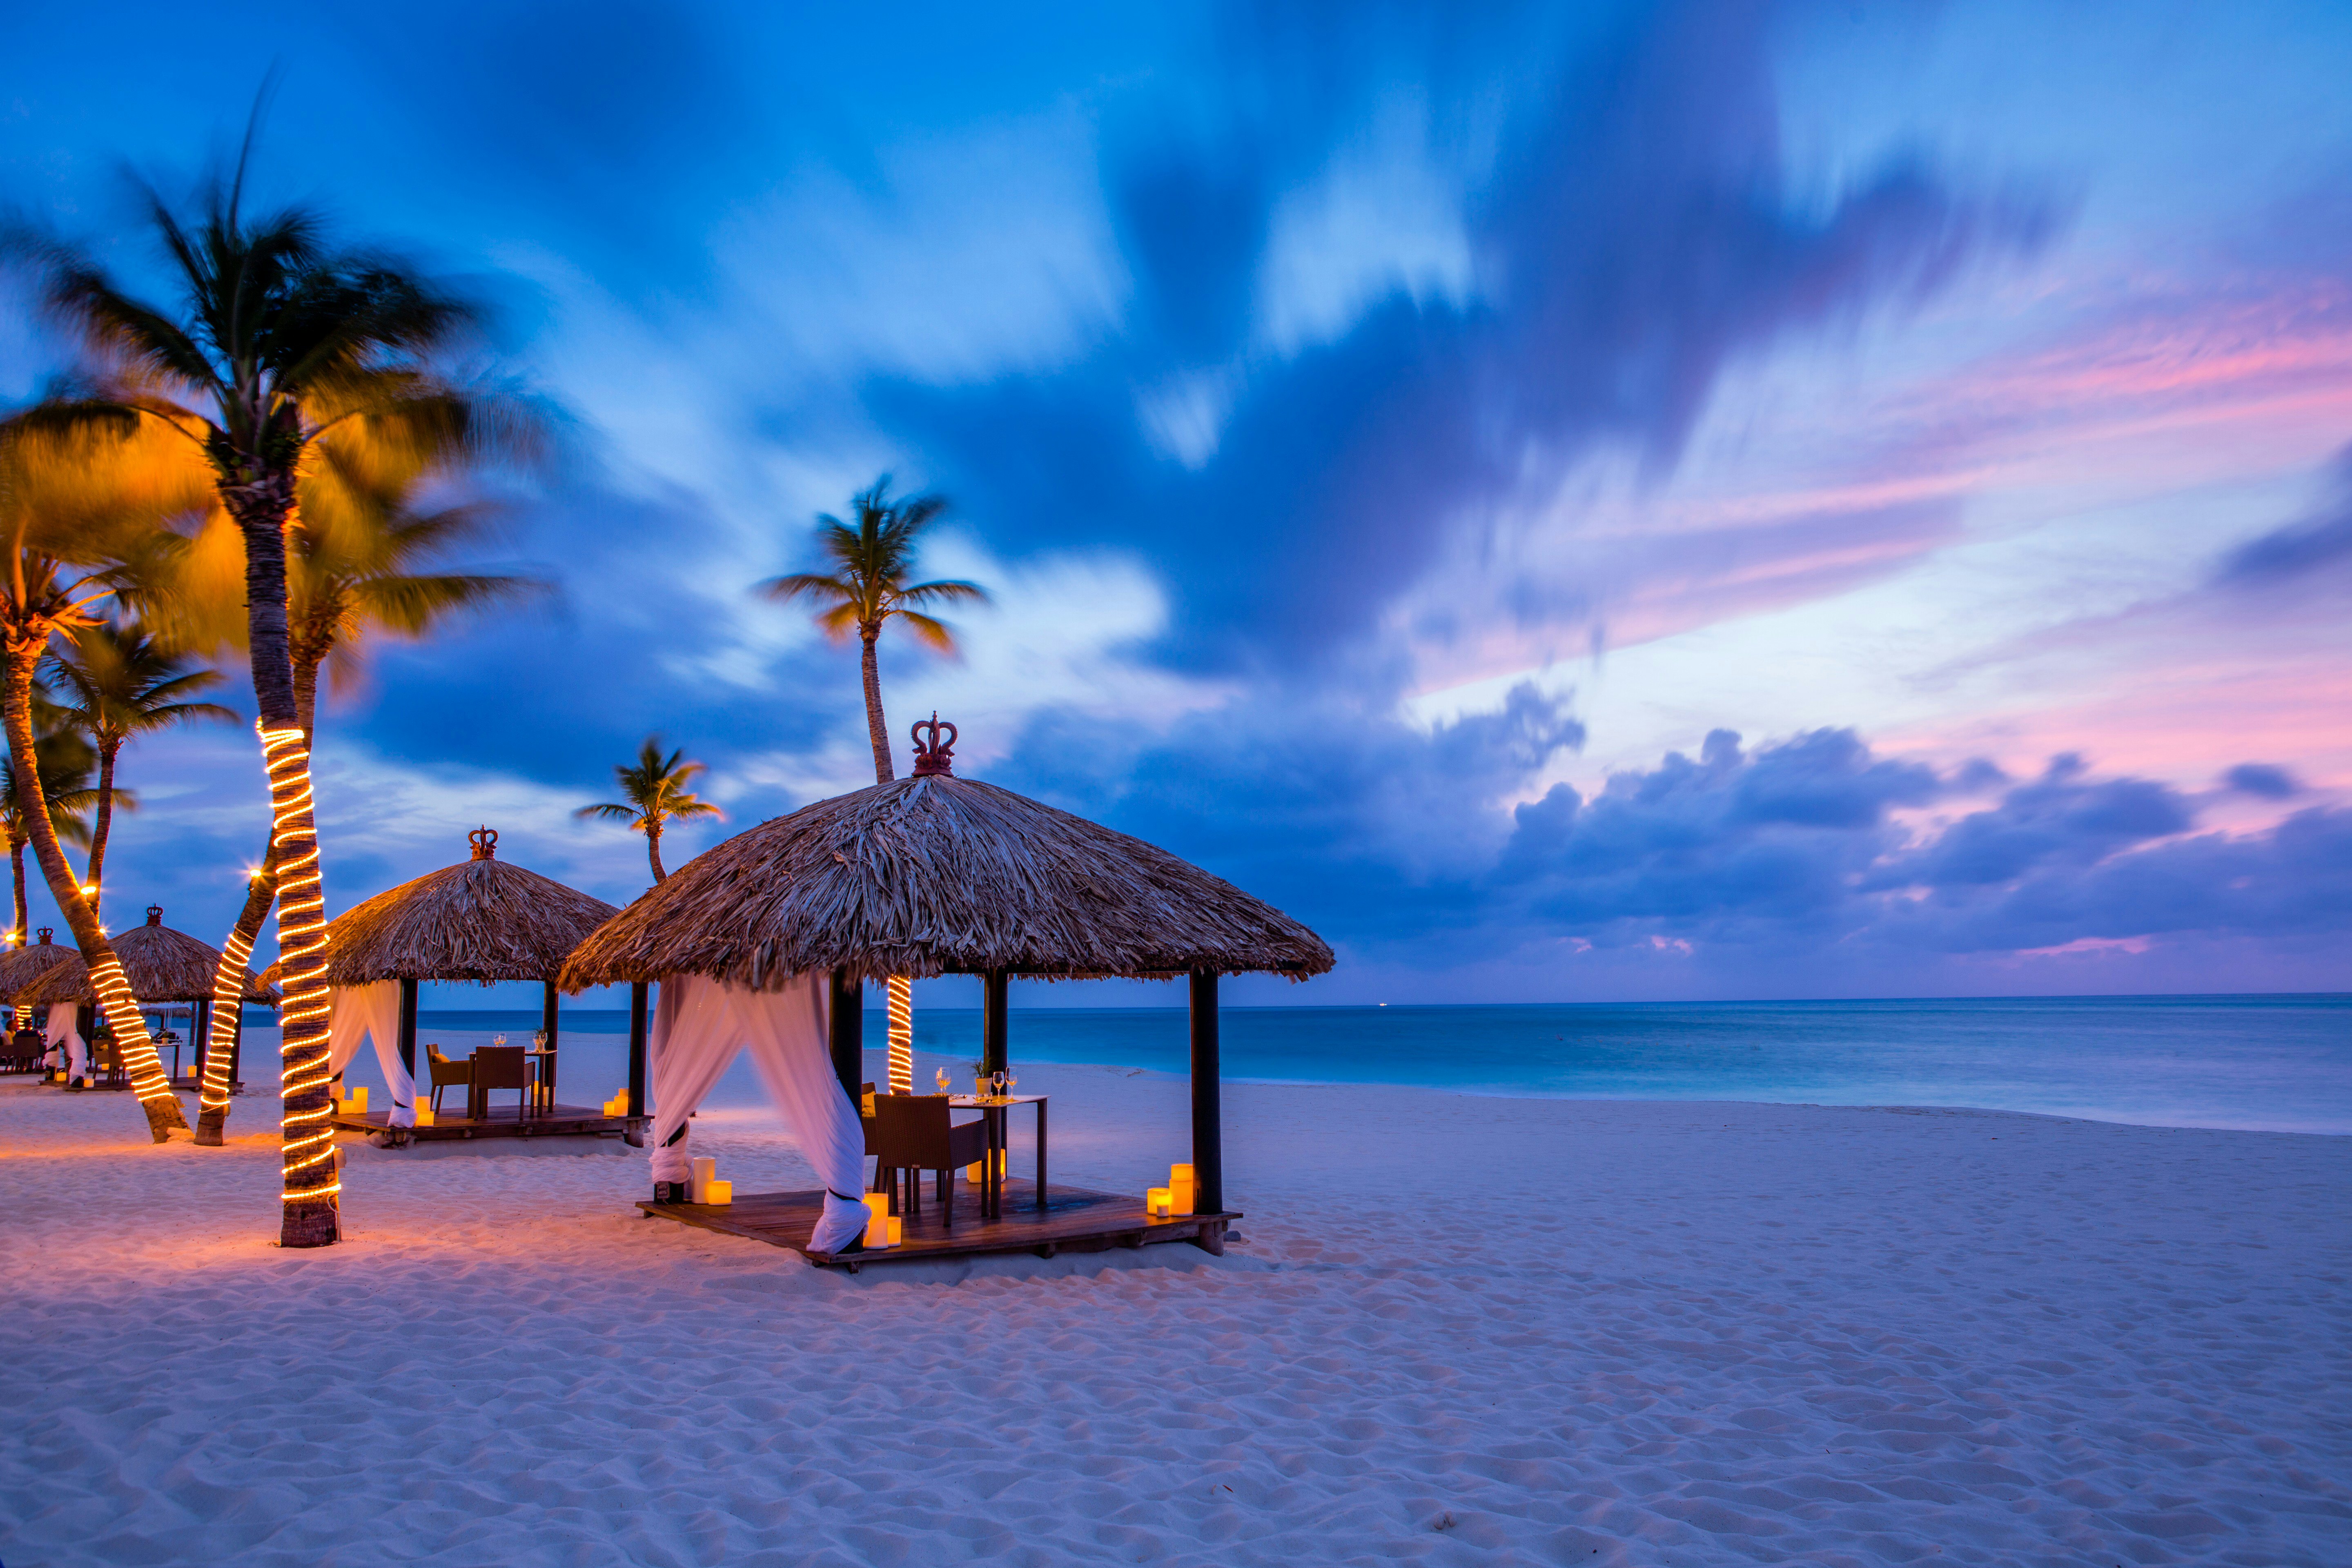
2276,1062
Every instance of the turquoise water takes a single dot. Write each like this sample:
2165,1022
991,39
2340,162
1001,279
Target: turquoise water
2282,1063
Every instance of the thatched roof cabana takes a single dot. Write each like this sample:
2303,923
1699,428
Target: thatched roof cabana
21,967
482,920
938,875
161,964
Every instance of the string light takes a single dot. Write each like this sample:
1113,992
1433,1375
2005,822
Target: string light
902,1035
309,1135
228,1007
116,1001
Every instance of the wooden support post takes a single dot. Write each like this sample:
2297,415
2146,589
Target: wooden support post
992,1019
408,1035
547,1023
849,1029
637,1049
200,1024
1208,1138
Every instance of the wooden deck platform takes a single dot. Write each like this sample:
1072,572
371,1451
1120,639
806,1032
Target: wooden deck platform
1076,1220
503,1121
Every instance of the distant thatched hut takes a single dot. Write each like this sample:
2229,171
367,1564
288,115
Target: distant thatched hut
161,964
937,875
483,921
20,968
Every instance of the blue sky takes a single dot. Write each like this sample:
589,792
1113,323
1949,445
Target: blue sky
1576,503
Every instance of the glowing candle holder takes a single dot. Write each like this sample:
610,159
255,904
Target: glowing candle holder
897,1231
1157,1202
877,1219
424,1116
699,1181
718,1192
357,1104
1181,1189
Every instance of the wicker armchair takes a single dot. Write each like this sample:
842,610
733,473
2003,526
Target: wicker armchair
911,1132
498,1066
447,1074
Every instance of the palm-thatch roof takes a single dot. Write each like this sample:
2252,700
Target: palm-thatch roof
936,875
481,920
21,967
162,965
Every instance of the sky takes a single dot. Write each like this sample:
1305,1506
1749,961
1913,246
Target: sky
1576,503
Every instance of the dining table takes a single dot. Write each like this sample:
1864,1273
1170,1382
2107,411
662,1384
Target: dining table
995,1111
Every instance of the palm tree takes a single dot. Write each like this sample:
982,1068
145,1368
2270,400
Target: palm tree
76,510
867,586
63,761
654,795
119,682
278,344
367,563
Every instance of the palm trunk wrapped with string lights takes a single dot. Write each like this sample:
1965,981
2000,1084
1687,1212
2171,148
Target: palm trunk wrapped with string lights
312,1216
228,1003
115,1002
902,1035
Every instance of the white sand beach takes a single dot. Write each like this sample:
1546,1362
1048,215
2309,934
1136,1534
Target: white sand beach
1459,1331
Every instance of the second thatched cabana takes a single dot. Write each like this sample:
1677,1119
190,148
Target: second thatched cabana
937,875
484,921
163,966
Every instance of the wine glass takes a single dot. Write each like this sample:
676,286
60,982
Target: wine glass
941,1078
1011,1081
996,1079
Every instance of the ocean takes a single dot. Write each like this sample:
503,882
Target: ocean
2275,1063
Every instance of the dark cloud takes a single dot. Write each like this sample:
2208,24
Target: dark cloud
2301,548
1634,236
2263,779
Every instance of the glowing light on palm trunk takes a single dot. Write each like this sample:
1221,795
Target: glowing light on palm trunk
902,1035
309,1170
148,1079
227,1021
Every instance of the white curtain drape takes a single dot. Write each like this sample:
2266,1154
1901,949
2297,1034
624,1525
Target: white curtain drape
699,1027
363,1012
67,1048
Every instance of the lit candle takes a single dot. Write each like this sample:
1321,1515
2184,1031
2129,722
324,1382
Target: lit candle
718,1192
877,1219
897,1230
424,1116
702,1171
1179,1189
1156,1202
359,1098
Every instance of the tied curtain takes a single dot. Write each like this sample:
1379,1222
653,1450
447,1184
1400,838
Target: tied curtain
699,1025
67,1049
373,1012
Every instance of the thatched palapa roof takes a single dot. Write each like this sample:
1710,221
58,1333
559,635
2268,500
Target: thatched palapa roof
162,965
26,964
936,875
480,919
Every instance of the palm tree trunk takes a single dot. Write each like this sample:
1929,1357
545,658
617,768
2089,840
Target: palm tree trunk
228,975
263,506
875,728
114,992
105,754
653,853
228,1002
16,864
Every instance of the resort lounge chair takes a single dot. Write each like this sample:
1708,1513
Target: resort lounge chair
911,1132
447,1074
498,1066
